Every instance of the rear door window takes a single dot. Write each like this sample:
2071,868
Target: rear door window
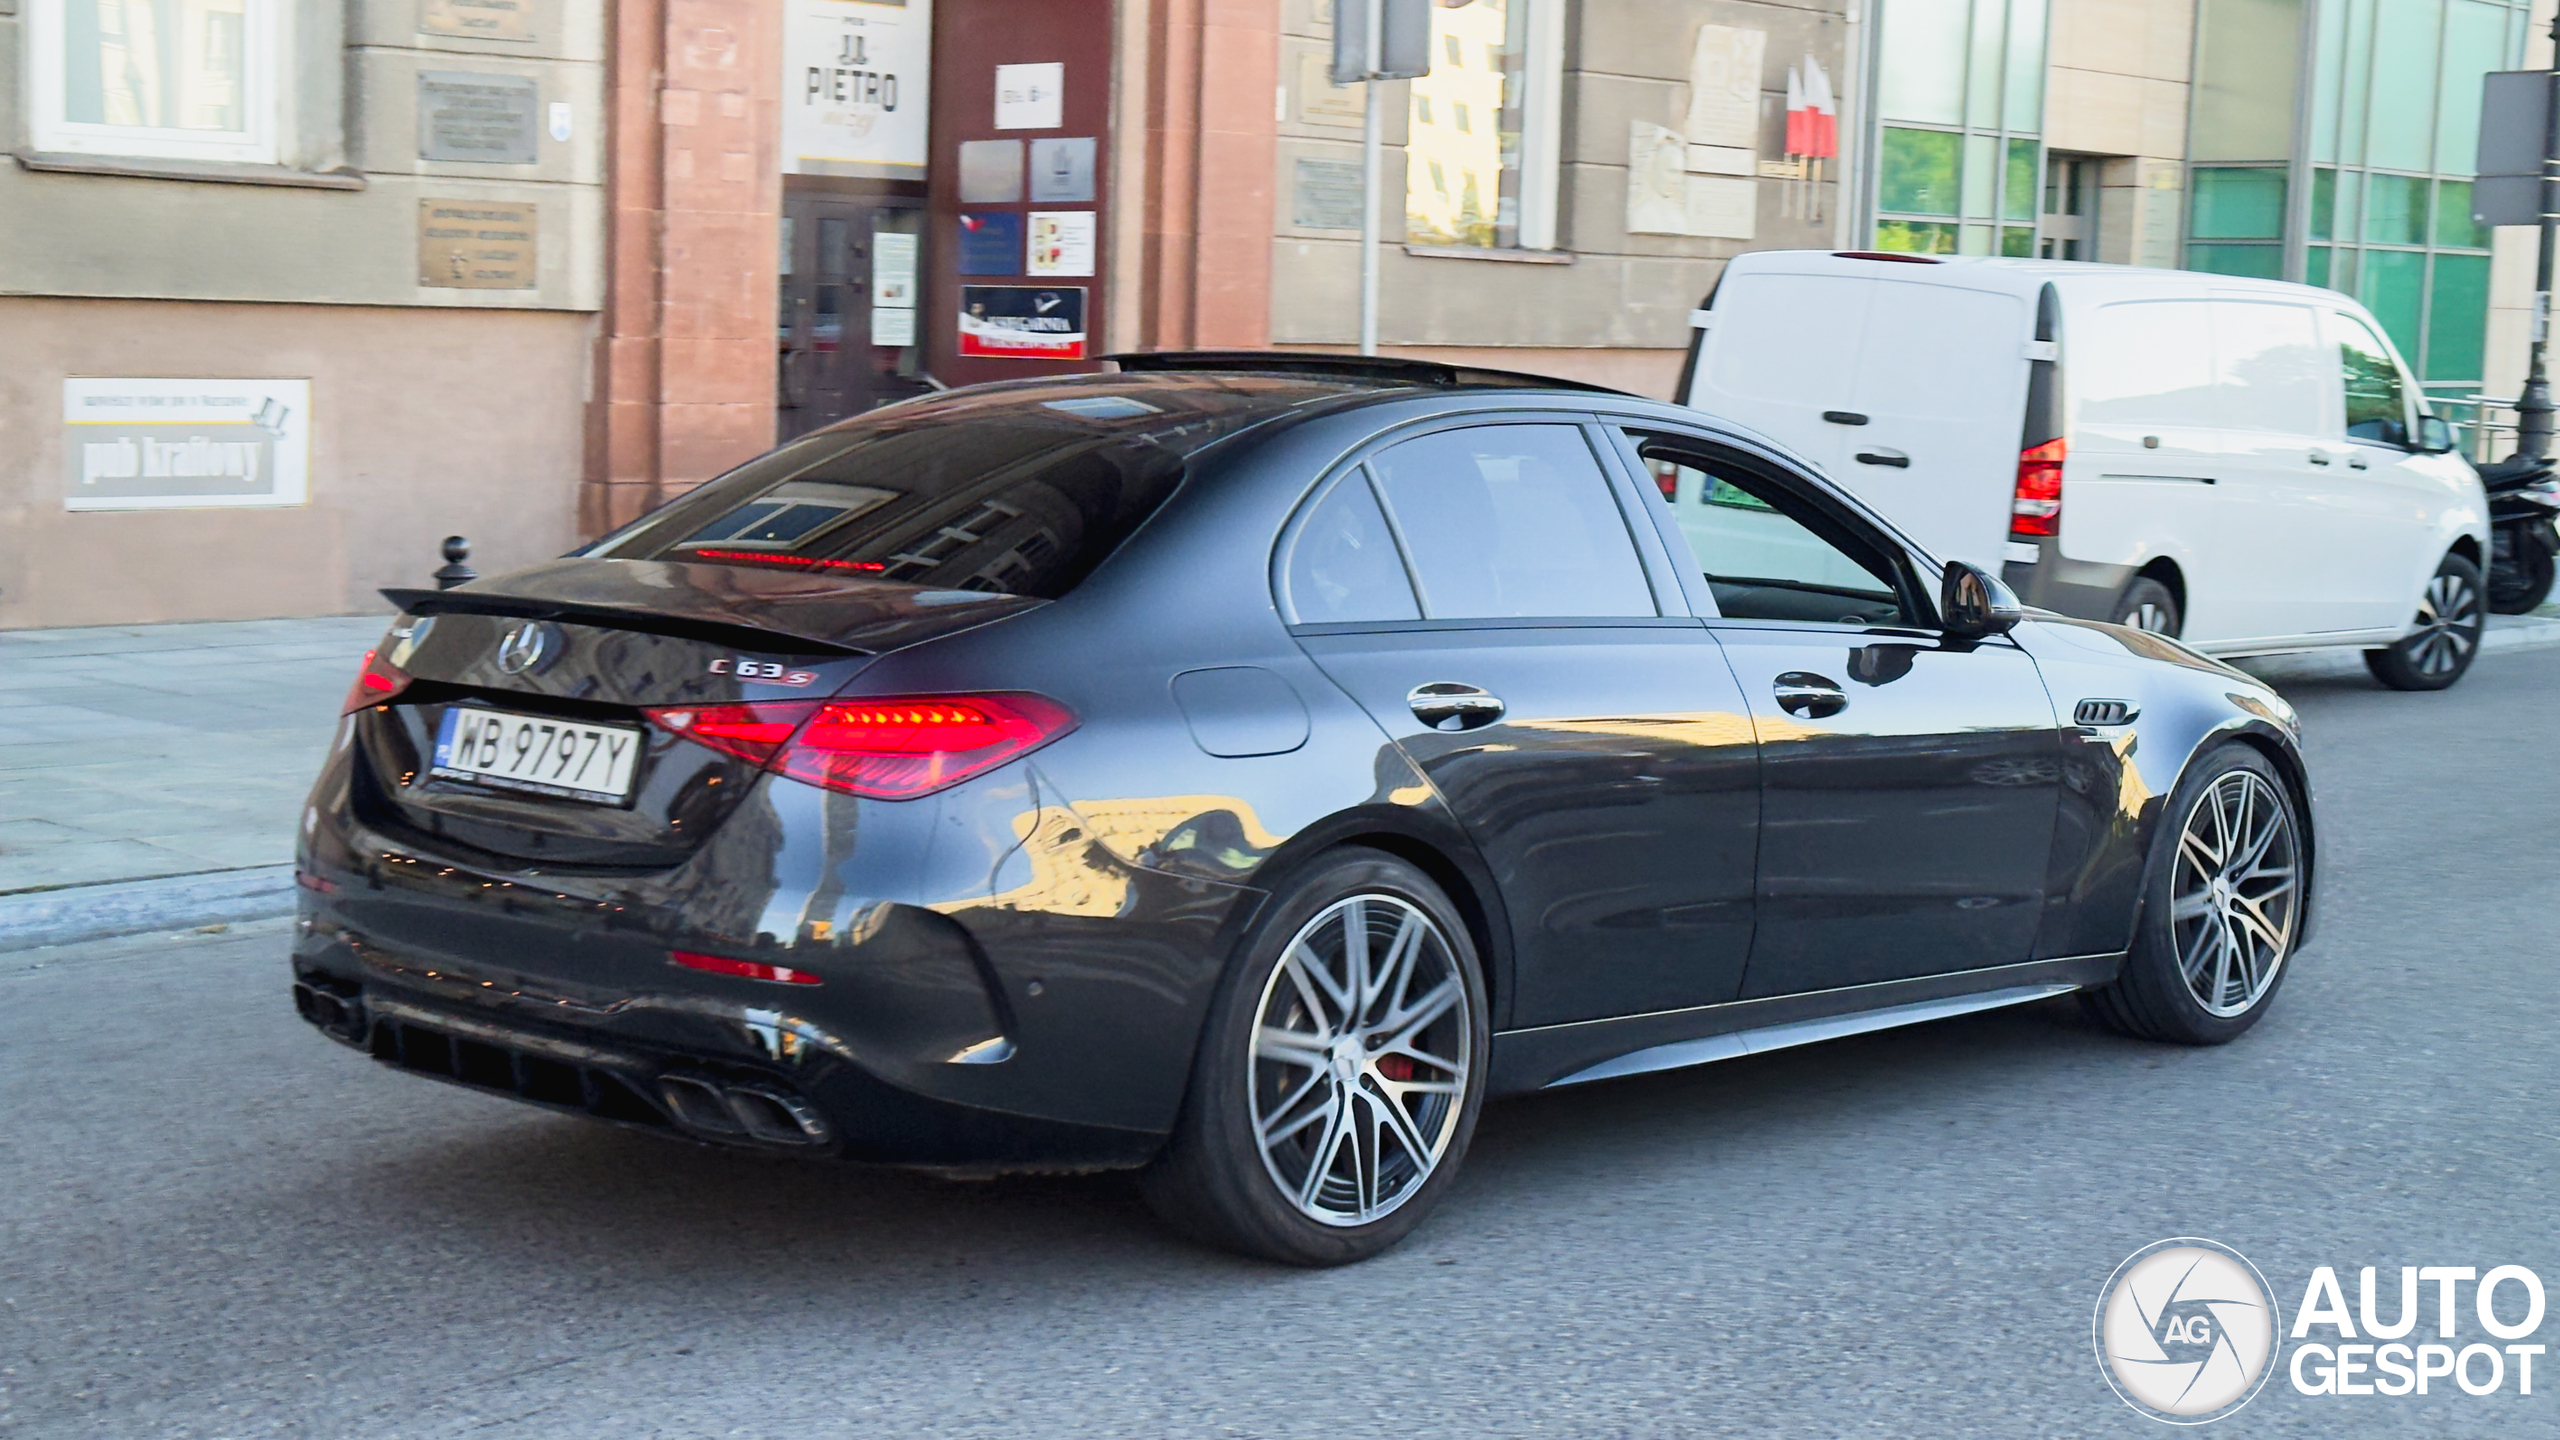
1343,567
2147,362
2274,375
1512,522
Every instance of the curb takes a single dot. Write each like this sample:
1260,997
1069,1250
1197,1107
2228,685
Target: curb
134,907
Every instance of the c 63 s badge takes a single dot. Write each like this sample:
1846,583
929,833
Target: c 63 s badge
763,672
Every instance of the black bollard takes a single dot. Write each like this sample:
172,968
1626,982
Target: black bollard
454,572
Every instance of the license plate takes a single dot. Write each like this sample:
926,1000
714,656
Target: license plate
537,753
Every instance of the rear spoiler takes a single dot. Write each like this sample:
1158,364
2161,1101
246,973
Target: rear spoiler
731,634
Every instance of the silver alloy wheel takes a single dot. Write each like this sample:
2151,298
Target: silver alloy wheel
2235,894
2149,615
2449,622
1361,1052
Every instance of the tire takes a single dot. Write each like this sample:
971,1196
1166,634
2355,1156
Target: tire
2206,960
2451,616
1218,1182
2146,604
2520,585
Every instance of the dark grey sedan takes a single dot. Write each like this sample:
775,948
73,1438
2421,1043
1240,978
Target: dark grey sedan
1241,766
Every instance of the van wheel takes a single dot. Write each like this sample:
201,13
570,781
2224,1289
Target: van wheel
2147,605
1339,1078
2446,638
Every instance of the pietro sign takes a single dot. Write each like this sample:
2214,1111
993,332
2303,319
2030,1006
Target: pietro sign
854,83
181,444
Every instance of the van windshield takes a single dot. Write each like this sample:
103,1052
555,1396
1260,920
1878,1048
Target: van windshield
1018,491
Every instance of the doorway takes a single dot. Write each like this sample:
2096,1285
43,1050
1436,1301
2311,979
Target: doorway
2070,227
847,324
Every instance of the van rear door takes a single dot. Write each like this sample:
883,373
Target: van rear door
1779,352
1941,380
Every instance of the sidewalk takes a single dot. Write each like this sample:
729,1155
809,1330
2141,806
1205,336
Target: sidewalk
138,752
150,775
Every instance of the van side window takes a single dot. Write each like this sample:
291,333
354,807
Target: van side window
2146,362
2273,371
2377,402
1765,552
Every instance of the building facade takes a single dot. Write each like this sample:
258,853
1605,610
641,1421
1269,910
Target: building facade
295,287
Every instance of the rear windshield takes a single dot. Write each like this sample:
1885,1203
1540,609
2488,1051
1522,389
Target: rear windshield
1017,491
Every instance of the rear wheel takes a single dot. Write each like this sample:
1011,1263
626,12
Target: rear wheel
2221,911
1338,1081
2149,605
2437,652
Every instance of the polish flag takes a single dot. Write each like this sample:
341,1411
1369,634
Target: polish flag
1822,132
1799,114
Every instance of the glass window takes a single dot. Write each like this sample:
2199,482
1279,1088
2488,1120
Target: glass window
2147,362
2023,105
1922,76
2377,401
2262,262
2274,374
2475,43
1981,175
1767,555
2324,202
2394,289
2233,203
2457,317
2018,188
1496,141
2244,78
2395,210
1918,173
1512,521
2454,225
180,79
1344,566
1021,492
2400,130
1915,237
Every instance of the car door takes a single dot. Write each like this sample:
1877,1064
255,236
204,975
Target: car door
2386,496
2295,490
1480,590
1909,779
2148,474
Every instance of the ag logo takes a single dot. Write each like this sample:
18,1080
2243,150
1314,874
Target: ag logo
529,645
2186,1331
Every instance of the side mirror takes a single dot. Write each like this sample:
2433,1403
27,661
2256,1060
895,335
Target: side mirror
1972,604
2435,435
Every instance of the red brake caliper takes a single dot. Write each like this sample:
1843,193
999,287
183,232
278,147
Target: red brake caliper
1398,1068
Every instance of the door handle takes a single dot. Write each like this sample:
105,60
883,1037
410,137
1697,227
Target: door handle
1448,705
2356,462
2319,457
1809,696
1892,459
1844,417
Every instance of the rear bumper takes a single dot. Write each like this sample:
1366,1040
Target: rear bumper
986,998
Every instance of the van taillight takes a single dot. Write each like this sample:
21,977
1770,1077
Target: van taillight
887,748
2036,508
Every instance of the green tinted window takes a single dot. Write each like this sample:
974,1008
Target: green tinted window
2453,217
1915,237
2395,210
2264,262
2394,289
2235,203
2377,406
2457,316
1918,171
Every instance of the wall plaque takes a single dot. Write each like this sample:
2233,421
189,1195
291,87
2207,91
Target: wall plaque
476,244
1326,196
477,19
490,119
184,444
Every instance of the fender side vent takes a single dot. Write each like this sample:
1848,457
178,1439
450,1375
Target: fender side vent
2104,712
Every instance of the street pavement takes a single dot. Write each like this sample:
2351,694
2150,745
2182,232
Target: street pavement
136,752
216,1223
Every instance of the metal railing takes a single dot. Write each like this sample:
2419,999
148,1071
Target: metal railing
2482,434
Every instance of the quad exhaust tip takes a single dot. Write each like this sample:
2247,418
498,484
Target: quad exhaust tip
730,1112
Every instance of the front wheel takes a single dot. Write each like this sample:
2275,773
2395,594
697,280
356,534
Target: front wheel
2221,909
1338,1081
2446,638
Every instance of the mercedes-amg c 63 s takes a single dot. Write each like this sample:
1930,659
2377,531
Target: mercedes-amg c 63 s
1238,768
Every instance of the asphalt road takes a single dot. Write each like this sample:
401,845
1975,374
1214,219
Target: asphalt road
215,1223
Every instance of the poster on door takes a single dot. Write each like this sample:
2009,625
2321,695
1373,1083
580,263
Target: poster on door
1022,322
854,83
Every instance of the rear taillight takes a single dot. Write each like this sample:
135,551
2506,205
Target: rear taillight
894,747
2036,508
743,969
377,682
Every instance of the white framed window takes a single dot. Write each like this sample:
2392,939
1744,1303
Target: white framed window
1517,97
164,79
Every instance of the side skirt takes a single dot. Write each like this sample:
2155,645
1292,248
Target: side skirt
1552,1055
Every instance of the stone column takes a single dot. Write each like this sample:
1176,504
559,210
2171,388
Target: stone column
684,382
1212,147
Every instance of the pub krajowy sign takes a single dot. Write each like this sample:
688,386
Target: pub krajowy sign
180,444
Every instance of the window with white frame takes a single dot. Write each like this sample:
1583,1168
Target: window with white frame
167,79
1483,133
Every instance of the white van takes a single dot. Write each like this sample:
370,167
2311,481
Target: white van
2242,464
